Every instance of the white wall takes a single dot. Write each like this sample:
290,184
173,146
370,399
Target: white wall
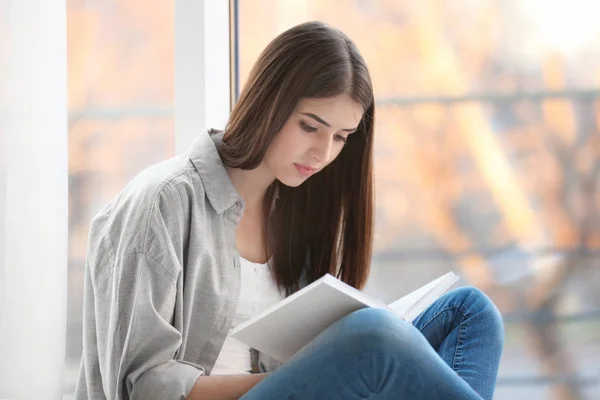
34,174
33,198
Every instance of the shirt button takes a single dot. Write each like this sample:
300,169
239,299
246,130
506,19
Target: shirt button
254,307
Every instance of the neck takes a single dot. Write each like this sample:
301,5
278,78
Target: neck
251,185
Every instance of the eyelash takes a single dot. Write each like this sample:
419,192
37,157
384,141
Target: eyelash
308,128
340,138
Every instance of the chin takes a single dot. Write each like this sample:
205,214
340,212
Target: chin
290,181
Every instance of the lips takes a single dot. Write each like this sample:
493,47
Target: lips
305,170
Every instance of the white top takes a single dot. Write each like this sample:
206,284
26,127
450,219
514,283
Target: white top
257,293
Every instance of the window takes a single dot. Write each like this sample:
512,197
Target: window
487,157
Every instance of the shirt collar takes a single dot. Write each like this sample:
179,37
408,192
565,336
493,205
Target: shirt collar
217,185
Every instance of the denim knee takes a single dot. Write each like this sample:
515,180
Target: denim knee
474,302
379,330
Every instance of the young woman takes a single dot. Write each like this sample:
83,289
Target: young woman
197,244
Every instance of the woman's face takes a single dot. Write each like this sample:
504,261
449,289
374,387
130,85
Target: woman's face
311,138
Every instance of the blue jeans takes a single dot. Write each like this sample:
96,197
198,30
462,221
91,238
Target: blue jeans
451,351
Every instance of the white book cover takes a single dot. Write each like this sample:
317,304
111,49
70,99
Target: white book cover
283,329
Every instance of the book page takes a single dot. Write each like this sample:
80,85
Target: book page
443,284
411,305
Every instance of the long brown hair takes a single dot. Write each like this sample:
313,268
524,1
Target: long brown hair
328,220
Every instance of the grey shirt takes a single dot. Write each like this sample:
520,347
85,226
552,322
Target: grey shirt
162,280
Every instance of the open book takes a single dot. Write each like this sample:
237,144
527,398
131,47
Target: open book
283,329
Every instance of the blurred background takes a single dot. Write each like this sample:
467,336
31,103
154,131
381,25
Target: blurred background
487,152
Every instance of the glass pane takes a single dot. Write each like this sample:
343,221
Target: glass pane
487,163
121,66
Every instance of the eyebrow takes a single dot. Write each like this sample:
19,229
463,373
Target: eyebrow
322,121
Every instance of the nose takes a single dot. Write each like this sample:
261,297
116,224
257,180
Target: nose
321,149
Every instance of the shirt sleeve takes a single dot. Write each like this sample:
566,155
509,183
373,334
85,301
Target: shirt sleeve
136,343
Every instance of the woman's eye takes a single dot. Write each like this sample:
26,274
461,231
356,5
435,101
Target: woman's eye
307,127
341,138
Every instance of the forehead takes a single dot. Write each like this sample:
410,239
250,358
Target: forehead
339,111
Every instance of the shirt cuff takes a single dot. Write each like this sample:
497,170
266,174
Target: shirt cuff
172,380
